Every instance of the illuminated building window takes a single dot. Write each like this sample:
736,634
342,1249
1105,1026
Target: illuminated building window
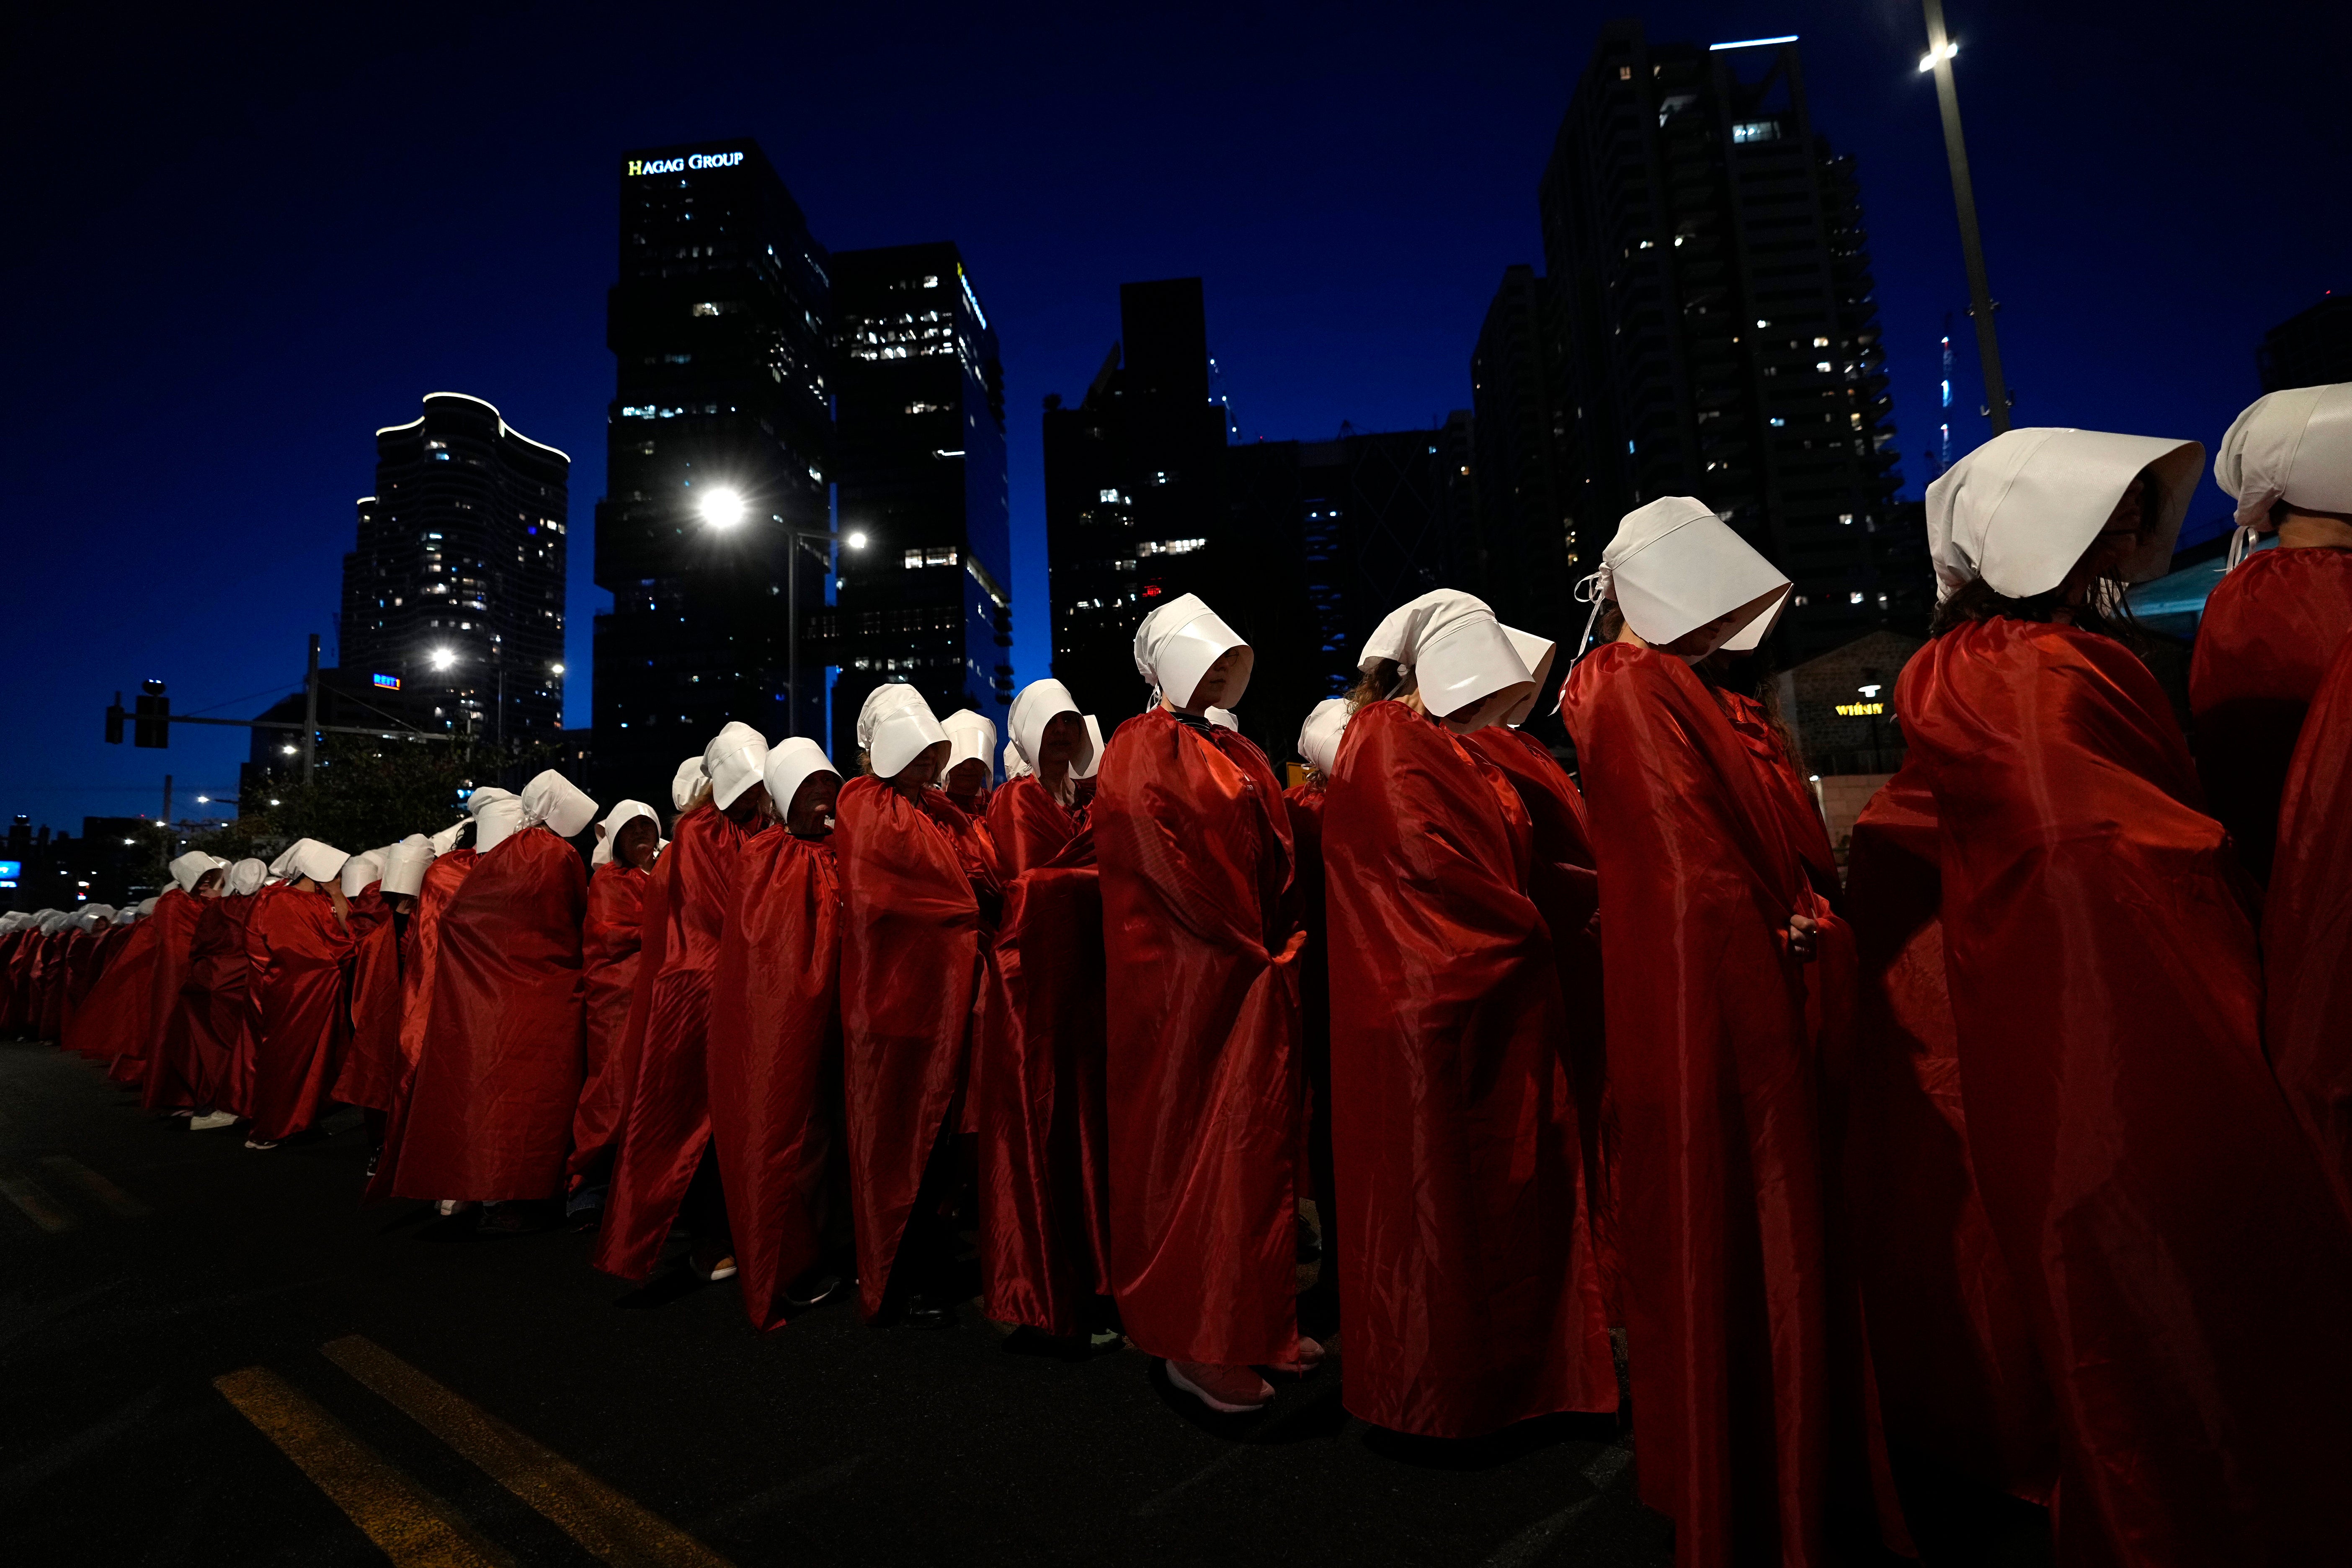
1756,131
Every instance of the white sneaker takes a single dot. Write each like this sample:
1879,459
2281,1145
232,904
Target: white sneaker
212,1120
261,1142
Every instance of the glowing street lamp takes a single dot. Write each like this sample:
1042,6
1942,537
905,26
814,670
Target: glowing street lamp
721,509
442,657
855,540
556,669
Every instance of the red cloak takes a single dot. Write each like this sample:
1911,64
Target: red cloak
300,954
2269,630
2307,927
1755,1421
917,883
115,1020
16,958
1305,906
1203,1079
1949,1337
208,1040
90,958
371,1068
2188,1275
1038,1087
774,1061
1468,1292
488,1113
1567,891
611,939
665,1121
1029,827
420,961
56,975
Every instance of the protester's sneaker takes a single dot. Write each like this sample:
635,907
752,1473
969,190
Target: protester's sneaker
261,1142
1228,1390
1309,1356
811,1287
212,1120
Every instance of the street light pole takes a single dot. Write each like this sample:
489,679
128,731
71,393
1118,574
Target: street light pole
1964,197
798,537
310,712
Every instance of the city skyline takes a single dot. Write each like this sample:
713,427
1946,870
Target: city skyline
215,556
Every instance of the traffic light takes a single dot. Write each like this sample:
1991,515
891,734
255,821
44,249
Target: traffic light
114,720
152,727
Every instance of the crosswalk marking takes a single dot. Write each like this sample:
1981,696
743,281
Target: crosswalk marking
36,1205
601,1519
407,1523
122,1204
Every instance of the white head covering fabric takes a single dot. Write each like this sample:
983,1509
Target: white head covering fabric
553,802
1179,641
309,857
2293,447
190,868
620,816
1536,653
732,761
2020,511
1457,656
788,767
1319,737
445,840
360,872
1222,718
244,877
1016,766
497,817
1094,762
1674,565
686,783
146,907
895,727
1038,704
54,920
93,916
404,866
971,738
126,914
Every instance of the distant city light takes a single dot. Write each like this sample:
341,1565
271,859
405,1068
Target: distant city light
1751,43
274,803
442,657
203,800
856,540
557,668
288,749
1928,61
721,508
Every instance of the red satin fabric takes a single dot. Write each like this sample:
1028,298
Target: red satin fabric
115,1021
1029,827
1754,1415
774,1060
209,1040
300,953
489,1116
420,962
666,1112
1950,1339
2268,631
1203,1080
371,1068
1037,1091
56,975
16,959
91,952
1468,1293
611,940
2307,927
1305,907
1567,890
918,885
2188,1274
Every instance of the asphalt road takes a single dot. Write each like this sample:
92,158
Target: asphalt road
212,1355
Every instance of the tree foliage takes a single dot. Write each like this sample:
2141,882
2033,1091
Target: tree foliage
368,792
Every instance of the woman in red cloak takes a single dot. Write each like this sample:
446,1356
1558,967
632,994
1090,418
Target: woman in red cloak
489,1110
663,1171
612,939
373,1066
2307,929
16,930
1307,908
1468,1291
970,777
207,1023
1749,1378
775,1040
117,1019
299,943
1203,1080
1038,1058
920,897
2272,625
197,880
2186,1275
102,933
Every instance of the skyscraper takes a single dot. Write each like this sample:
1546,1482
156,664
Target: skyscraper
718,445
2311,348
919,443
1134,497
1528,540
1711,331
456,590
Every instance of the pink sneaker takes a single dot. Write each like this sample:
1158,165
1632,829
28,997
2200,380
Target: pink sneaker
1310,1356
1228,1390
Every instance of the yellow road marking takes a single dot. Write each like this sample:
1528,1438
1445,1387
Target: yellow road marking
38,1206
607,1524
407,1523
117,1202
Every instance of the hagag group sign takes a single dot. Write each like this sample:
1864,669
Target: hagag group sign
687,164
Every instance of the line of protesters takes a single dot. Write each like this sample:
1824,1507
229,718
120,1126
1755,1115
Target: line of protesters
2025,1145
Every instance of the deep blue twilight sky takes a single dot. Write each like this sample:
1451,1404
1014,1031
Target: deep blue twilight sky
240,246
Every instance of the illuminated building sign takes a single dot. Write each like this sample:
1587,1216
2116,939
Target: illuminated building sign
389,682
1861,710
10,871
690,164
